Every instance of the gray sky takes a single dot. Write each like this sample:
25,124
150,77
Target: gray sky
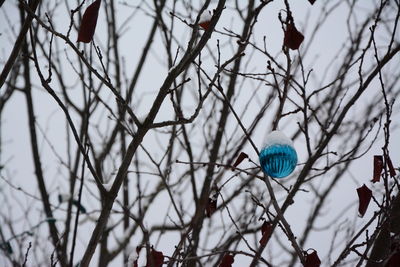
15,136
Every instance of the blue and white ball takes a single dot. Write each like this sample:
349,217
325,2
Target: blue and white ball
278,158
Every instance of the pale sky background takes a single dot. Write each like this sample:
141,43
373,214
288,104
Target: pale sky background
15,140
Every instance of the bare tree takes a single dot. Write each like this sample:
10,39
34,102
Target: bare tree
155,113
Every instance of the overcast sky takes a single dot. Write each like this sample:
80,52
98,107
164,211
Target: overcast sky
16,153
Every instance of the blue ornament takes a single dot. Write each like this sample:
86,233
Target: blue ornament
278,158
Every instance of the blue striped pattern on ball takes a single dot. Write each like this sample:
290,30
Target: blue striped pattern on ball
277,160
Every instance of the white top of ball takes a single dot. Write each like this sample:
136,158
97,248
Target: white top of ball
277,138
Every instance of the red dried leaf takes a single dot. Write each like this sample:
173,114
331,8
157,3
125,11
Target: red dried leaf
312,259
293,38
205,25
394,260
266,227
205,20
156,259
312,1
378,167
211,206
390,166
89,21
239,159
364,195
266,230
227,260
135,263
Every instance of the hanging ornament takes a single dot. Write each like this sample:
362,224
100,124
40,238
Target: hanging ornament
278,158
